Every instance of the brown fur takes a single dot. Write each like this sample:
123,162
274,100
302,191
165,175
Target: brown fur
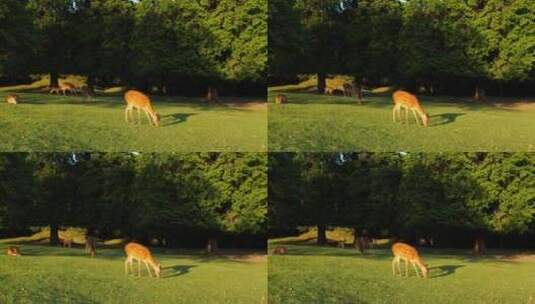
407,101
410,255
91,245
13,251
281,98
12,98
135,251
139,101
280,250
65,242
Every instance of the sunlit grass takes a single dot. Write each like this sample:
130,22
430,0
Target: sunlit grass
313,274
45,274
314,122
43,122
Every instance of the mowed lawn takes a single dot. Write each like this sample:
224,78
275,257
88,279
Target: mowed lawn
314,122
43,122
46,274
312,274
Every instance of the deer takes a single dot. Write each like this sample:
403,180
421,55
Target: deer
281,98
135,251
348,89
407,101
408,254
12,98
139,101
13,251
280,250
65,242
212,95
91,245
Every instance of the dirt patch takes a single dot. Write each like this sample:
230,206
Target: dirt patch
523,105
250,258
521,257
252,106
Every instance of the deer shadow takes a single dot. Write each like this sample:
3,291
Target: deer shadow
173,119
445,270
176,270
445,118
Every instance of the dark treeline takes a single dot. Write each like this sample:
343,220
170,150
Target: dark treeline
178,47
179,200
446,199
444,46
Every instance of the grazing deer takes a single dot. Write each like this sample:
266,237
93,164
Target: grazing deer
408,254
139,101
91,245
348,89
408,102
281,98
280,250
212,95
12,99
65,242
135,251
13,251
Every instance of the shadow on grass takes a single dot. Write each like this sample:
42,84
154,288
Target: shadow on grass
173,119
445,270
176,270
443,119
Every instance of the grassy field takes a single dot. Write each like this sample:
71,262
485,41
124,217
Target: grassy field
314,122
312,274
43,122
46,274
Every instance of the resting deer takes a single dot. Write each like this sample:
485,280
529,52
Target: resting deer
12,98
280,250
13,251
408,102
135,251
348,89
408,254
280,99
139,101
65,242
212,95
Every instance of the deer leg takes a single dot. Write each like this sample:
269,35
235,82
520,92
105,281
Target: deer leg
416,270
394,266
148,117
126,266
416,117
138,268
148,269
394,114
126,119
406,268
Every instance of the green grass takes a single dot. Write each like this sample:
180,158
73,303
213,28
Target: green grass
43,122
312,274
46,274
313,122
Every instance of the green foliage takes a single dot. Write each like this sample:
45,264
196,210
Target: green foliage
138,195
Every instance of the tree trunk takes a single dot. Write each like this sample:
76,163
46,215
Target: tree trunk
479,246
480,94
54,79
322,235
54,235
322,82
91,83
212,245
